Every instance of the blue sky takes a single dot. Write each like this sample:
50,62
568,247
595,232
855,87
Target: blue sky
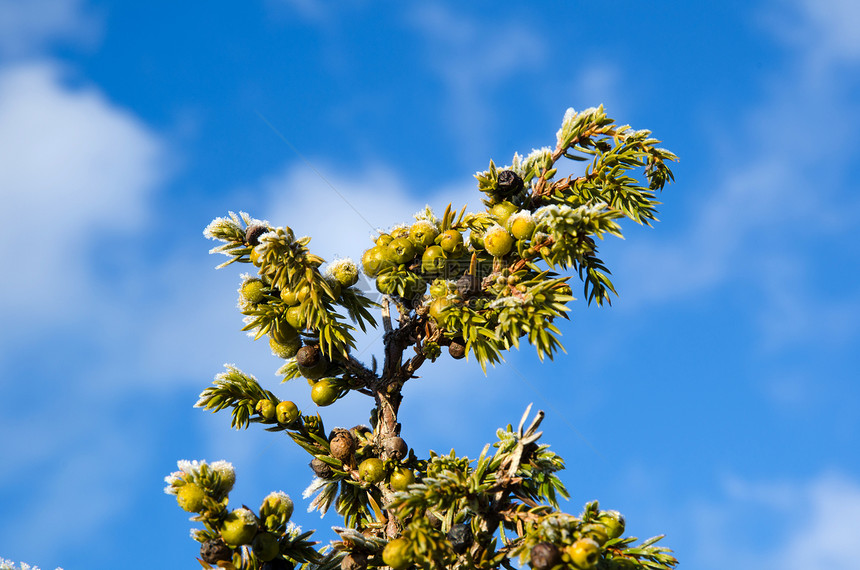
715,401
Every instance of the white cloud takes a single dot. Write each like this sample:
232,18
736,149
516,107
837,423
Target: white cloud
829,526
799,525
77,174
28,26
76,170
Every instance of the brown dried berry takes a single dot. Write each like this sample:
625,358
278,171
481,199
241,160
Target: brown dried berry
308,356
457,348
321,469
253,233
460,536
395,447
342,445
544,556
468,285
354,561
214,550
509,182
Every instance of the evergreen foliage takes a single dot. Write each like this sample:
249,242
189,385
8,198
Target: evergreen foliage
476,283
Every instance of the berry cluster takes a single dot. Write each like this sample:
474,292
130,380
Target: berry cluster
268,535
579,545
354,456
484,287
